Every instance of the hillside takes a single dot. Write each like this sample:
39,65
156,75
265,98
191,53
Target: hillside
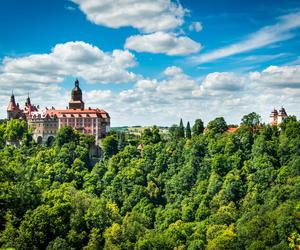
212,190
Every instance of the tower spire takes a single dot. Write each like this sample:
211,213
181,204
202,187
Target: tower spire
28,100
12,108
76,97
76,83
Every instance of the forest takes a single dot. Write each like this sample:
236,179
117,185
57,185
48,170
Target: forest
192,188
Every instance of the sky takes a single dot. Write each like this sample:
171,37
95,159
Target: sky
153,61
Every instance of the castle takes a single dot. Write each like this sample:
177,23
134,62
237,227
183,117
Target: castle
276,117
46,122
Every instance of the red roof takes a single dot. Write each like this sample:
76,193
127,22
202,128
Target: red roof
231,130
12,106
78,113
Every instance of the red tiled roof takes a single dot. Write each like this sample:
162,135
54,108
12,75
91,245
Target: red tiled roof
12,106
231,130
78,113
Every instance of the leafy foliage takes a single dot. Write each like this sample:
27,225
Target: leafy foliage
212,190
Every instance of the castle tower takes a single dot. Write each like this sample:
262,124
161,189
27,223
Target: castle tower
13,110
273,117
76,97
281,115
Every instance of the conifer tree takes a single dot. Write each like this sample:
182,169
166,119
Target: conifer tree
188,133
181,129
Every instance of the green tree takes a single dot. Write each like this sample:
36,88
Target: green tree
198,127
188,133
174,132
218,125
15,129
151,135
121,141
109,146
66,135
215,191
181,129
252,119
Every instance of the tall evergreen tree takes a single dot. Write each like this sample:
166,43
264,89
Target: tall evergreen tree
188,132
181,129
198,127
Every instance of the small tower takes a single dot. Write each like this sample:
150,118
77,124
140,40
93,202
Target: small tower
76,97
273,117
281,115
13,110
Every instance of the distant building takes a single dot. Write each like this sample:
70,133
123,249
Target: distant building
46,122
277,117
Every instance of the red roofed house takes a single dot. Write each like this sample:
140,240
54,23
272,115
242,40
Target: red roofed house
45,123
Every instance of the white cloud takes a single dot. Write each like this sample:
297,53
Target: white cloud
195,26
225,81
278,77
219,94
146,15
268,35
69,59
70,8
161,42
172,71
147,84
220,83
164,101
177,83
159,19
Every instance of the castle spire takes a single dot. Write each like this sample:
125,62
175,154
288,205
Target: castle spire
12,108
28,100
76,82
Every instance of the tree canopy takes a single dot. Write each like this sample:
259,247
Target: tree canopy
212,190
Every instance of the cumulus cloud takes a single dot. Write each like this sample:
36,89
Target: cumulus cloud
220,83
195,26
278,77
164,101
159,19
146,15
267,35
172,71
162,42
69,59
147,84
225,94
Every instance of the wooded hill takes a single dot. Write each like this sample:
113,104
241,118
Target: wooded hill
190,190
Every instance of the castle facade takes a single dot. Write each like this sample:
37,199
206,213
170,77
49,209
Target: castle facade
46,122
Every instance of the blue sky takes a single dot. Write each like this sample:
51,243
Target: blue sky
156,61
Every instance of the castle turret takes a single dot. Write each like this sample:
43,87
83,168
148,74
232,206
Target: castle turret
281,115
273,117
76,97
13,110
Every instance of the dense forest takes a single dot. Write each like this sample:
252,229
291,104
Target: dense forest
192,188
